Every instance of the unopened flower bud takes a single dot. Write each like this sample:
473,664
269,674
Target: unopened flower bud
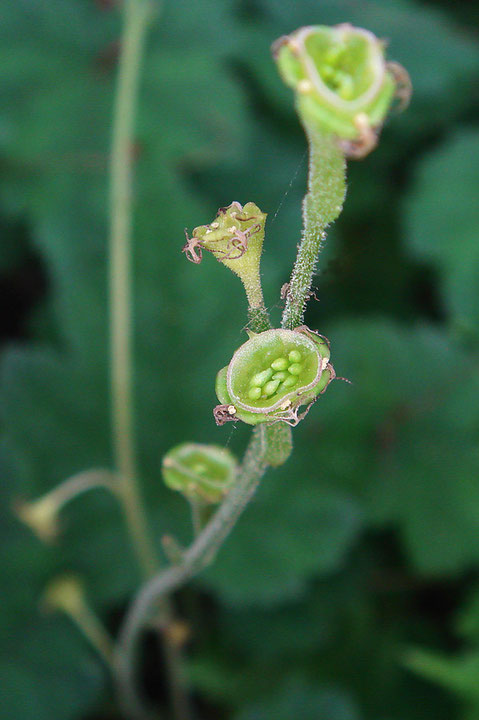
41,516
65,593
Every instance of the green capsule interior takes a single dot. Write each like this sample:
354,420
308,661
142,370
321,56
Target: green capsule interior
272,367
343,59
204,470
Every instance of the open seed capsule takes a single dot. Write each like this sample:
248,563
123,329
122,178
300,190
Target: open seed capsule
250,391
342,81
203,471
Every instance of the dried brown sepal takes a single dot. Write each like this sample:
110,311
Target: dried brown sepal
224,414
403,85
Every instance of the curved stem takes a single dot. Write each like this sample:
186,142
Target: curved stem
136,14
200,554
77,484
321,206
93,629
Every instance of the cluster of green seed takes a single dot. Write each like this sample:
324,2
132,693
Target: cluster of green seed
282,374
336,79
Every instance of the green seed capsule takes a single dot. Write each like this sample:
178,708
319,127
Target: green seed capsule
261,378
249,392
202,472
271,387
254,393
342,82
294,356
295,368
279,364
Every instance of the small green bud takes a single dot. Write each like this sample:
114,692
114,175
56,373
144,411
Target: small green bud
342,82
65,593
282,395
204,472
41,516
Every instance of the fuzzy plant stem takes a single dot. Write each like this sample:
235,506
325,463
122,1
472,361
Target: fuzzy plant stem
321,206
258,318
136,14
200,554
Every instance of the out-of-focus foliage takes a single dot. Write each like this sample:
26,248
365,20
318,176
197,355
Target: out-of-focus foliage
349,567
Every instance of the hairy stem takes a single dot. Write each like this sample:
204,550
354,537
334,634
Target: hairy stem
258,318
200,554
136,14
321,206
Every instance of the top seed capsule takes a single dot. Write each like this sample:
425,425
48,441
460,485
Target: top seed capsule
342,81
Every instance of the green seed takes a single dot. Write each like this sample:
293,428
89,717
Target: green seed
295,368
327,72
280,376
271,387
290,381
254,393
333,54
295,357
345,86
199,468
280,364
260,378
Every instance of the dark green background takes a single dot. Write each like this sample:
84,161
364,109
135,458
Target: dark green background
350,588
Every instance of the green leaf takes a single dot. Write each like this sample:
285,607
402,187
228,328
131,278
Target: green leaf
298,699
293,530
457,674
442,220
47,669
404,437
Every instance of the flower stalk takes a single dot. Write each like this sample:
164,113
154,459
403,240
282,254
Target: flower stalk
321,206
136,17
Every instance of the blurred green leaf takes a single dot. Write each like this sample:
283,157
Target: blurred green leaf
300,700
442,221
457,674
397,438
293,529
